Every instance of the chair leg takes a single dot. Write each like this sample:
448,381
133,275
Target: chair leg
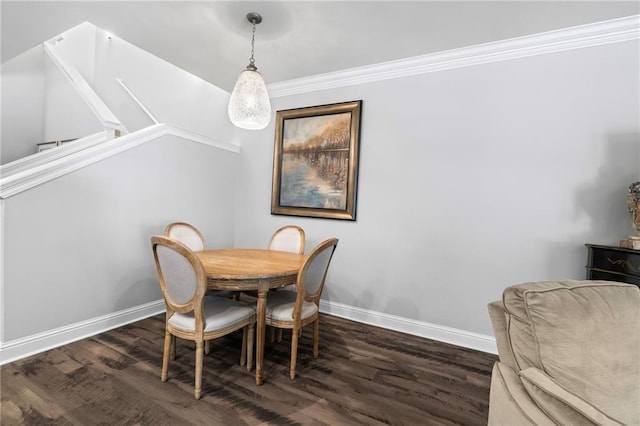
243,351
207,346
197,392
294,353
272,334
250,340
316,337
279,336
173,348
168,338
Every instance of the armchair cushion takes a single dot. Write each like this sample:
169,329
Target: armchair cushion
548,325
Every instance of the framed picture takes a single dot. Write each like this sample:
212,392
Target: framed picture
315,161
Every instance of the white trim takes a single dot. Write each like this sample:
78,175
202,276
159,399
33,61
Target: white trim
43,157
590,35
466,339
137,101
40,174
97,106
30,345
2,305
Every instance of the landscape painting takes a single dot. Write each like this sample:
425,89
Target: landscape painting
316,161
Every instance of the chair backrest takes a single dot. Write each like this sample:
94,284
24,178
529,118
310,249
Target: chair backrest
313,273
181,274
187,234
288,238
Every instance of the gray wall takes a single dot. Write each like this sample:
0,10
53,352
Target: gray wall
39,104
77,247
75,251
22,85
470,180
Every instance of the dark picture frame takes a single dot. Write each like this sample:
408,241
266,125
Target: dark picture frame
315,161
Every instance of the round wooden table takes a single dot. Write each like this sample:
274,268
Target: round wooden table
251,270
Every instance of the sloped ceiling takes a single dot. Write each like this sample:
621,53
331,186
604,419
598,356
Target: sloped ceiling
297,38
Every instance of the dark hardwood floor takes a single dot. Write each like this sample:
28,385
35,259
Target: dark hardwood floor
364,376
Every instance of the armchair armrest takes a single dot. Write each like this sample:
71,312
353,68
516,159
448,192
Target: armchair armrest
499,322
510,403
559,403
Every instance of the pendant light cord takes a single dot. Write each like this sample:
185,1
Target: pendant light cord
252,64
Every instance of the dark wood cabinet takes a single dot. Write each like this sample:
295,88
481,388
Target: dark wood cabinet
613,264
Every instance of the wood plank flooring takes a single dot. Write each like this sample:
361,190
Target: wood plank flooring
364,376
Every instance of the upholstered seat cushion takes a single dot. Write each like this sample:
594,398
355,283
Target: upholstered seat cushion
218,313
585,336
280,306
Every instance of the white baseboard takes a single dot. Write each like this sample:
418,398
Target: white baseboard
26,346
21,348
440,333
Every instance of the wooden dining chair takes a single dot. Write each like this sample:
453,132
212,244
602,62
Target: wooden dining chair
191,237
187,234
288,238
190,314
295,310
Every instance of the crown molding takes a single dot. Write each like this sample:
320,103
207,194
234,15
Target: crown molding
590,35
26,179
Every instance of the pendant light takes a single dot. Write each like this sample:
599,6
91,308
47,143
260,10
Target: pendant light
249,106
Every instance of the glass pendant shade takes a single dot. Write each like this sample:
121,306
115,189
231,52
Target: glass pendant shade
249,106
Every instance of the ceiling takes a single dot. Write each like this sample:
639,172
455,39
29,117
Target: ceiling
296,38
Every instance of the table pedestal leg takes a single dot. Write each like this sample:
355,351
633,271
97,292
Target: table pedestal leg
263,288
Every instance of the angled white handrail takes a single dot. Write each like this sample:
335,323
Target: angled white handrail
43,157
34,176
97,106
136,100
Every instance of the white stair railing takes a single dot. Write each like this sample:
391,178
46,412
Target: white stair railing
108,119
23,179
49,155
137,101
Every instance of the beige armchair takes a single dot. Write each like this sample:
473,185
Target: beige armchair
569,354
